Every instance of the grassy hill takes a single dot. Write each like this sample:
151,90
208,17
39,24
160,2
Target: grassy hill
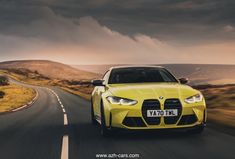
49,73
50,69
197,73
203,73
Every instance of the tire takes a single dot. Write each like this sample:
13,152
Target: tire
103,129
93,120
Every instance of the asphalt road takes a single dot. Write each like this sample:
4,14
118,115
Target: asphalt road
44,131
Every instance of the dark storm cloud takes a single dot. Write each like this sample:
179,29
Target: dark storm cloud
164,19
142,31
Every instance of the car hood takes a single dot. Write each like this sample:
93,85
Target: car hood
151,91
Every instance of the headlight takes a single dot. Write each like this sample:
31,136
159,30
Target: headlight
121,101
194,99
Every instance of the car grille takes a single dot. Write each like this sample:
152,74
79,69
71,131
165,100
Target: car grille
172,104
151,104
187,119
133,122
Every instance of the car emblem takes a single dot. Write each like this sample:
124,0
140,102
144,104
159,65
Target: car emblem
161,97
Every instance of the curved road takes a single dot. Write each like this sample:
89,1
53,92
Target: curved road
59,127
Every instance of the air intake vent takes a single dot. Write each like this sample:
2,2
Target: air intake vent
134,122
151,104
172,104
187,119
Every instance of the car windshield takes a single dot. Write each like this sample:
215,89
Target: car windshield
140,75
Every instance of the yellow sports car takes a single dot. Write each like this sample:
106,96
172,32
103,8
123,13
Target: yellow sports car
146,97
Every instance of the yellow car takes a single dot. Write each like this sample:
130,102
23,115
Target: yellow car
146,97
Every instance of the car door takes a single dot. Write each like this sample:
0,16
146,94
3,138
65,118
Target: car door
98,94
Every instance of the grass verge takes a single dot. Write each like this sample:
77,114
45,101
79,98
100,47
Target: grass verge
79,93
15,97
221,104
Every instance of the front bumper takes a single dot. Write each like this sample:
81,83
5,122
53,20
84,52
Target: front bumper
131,117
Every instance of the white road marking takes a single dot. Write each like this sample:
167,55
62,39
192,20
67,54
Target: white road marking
34,99
19,108
65,119
65,142
65,147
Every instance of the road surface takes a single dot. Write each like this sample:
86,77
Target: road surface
58,126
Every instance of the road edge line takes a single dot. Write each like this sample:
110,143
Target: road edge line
23,106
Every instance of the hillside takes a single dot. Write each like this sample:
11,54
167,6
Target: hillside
50,69
197,73
203,74
220,103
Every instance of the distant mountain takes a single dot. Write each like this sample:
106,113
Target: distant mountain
50,69
197,73
203,73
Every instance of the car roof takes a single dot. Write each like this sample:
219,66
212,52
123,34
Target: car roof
136,66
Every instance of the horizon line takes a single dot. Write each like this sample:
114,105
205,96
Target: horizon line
18,60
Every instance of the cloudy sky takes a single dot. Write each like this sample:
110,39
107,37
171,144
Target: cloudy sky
118,31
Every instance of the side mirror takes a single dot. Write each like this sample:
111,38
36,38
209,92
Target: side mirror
97,82
183,80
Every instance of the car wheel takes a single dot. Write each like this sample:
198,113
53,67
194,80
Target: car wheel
93,120
103,129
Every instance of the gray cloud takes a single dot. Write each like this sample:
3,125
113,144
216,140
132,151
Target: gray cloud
171,20
139,30
167,19
85,40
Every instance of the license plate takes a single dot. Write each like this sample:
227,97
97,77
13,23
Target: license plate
164,113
